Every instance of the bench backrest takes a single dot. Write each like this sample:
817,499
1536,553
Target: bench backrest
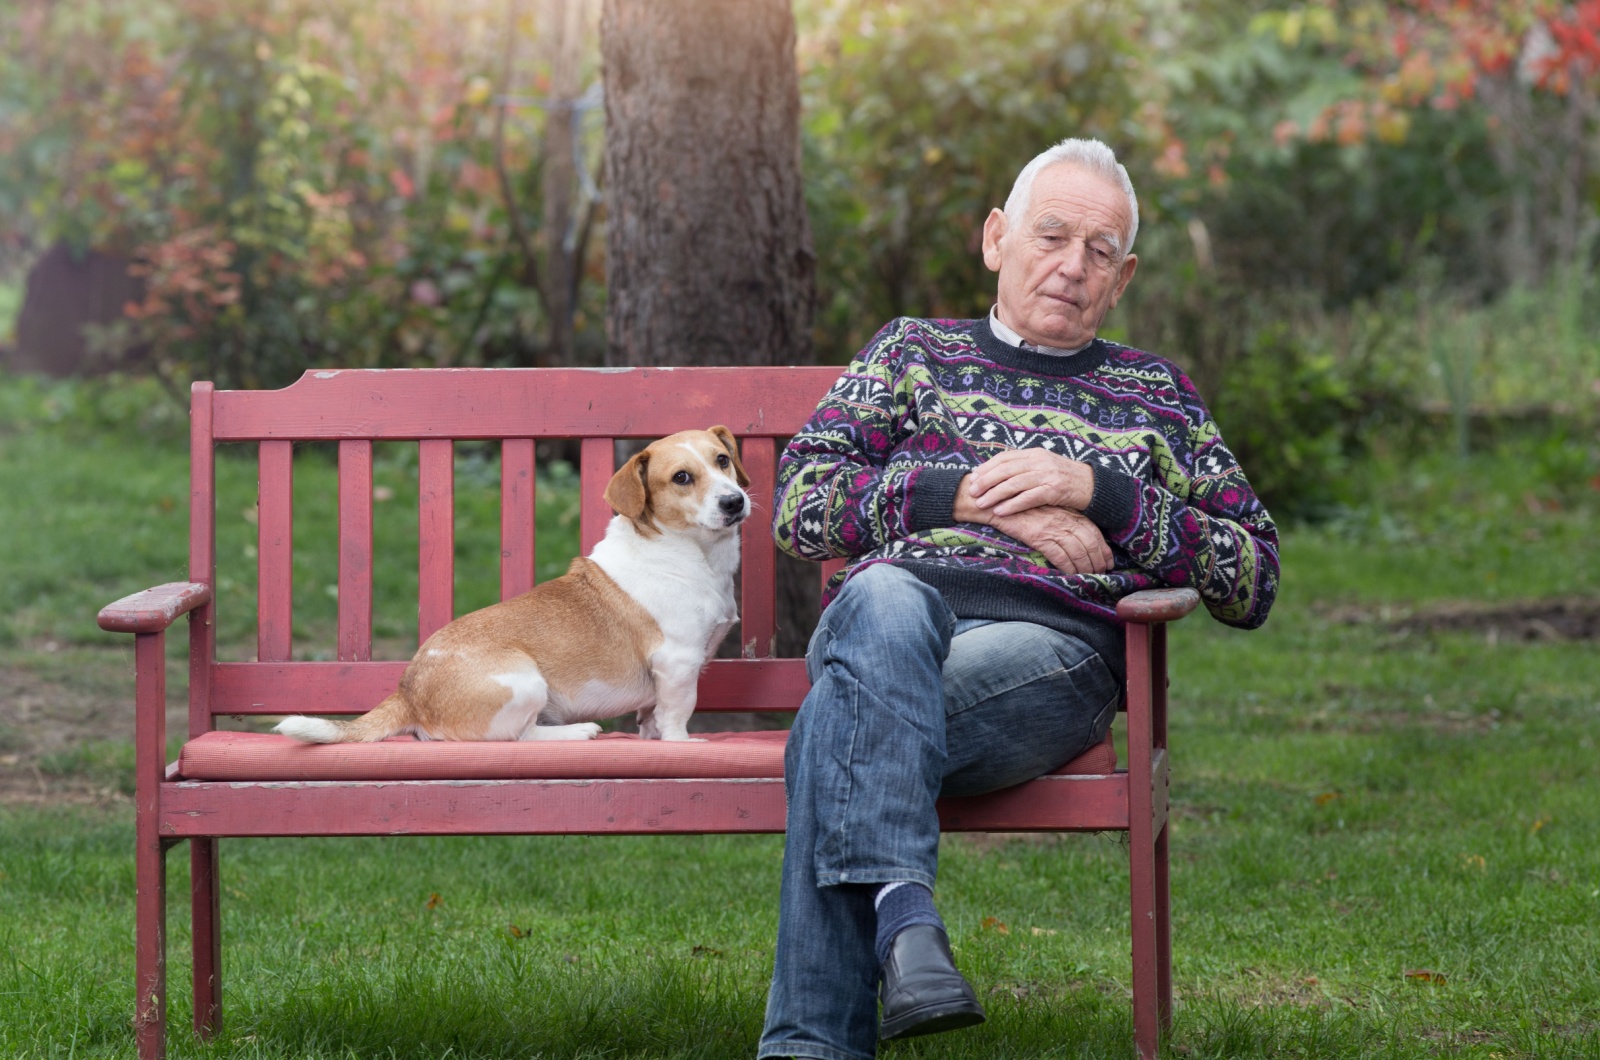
435,408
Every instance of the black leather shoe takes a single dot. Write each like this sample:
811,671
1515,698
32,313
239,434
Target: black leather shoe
921,991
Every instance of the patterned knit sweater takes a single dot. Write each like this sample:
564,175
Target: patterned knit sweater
873,476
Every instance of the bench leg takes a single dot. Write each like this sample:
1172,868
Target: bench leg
150,942
206,913
1163,932
1146,988
150,853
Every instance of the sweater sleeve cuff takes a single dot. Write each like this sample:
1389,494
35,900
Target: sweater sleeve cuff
1114,501
933,497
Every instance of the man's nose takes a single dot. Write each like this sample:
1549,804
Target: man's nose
1074,260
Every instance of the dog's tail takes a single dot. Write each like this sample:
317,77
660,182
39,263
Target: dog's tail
388,718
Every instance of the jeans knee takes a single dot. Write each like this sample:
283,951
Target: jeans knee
892,600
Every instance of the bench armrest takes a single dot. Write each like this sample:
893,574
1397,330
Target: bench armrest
153,610
1150,606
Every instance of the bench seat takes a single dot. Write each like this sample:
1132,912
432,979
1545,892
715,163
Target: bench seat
248,756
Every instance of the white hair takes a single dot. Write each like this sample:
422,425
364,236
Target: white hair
1091,155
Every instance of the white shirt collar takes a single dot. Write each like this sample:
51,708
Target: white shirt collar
1011,338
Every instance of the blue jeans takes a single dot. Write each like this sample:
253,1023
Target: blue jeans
907,704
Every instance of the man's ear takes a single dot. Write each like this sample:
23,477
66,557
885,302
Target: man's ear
626,492
731,444
1130,264
994,227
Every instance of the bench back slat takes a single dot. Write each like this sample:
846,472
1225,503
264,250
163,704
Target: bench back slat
202,552
516,517
757,624
275,551
408,403
597,462
436,535
357,687
355,550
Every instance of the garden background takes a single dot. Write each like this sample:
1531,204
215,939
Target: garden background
1370,231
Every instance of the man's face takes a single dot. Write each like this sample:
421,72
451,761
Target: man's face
1063,267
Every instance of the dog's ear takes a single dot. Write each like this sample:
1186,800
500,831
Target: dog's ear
731,444
626,491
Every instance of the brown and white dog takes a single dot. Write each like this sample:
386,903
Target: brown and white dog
627,629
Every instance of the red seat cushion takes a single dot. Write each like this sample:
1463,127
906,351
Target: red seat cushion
613,756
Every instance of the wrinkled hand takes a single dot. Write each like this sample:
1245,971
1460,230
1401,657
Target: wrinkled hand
1020,479
1068,540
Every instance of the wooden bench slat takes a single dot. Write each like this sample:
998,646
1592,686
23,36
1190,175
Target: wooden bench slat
757,622
202,551
589,807
436,535
597,463
829,567
355,550
504,402
275,551
516,517
357,687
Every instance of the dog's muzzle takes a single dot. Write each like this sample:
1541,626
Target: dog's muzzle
734,507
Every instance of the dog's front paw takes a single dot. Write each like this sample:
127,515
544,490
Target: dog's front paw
583,730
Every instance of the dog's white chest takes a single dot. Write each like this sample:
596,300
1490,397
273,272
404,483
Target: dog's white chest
686,588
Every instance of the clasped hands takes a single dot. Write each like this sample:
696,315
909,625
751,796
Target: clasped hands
1038,498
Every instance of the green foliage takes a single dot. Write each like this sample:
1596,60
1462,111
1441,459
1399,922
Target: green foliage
1291,420
918,117
299,184
1331,195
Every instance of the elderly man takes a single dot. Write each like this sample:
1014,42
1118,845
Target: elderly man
997,485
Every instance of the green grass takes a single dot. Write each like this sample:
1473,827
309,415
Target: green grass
1350,805
10,306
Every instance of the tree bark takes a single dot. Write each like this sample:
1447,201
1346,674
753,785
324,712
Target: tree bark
708,249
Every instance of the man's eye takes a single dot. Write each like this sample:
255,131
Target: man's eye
722,460
683,478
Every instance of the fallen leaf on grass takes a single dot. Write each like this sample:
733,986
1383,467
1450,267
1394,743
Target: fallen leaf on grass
994,924
434,901
1045,931
1325,798
705,951
516,932
1424,975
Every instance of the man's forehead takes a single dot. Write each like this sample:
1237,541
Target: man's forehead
1066,195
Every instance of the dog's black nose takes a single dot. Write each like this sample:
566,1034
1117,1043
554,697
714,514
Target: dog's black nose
731,504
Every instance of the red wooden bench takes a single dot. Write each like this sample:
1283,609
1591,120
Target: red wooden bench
248,784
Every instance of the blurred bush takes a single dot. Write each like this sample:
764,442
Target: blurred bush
297,183
1358,220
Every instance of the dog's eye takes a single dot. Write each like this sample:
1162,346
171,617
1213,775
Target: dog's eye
722,460
683,478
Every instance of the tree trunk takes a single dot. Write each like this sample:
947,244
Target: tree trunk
708,250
